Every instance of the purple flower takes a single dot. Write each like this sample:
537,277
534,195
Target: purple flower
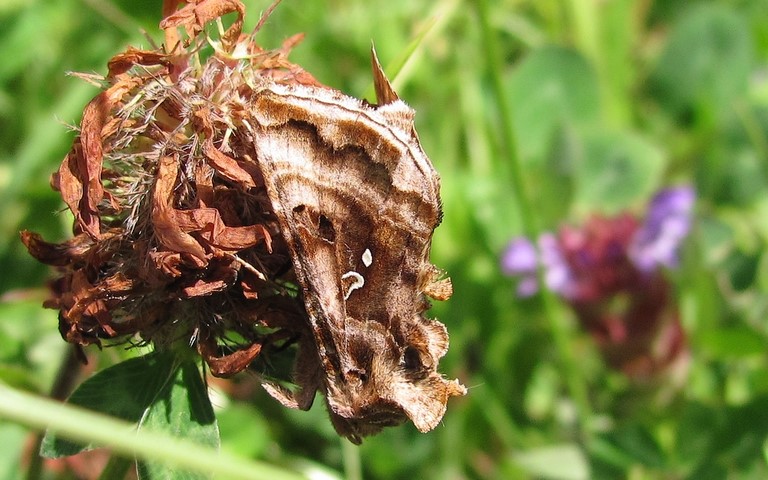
666,224
609,270
558,275
519,260
605,254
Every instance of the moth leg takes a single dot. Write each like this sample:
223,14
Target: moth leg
308,377
281,394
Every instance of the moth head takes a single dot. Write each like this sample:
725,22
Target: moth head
391,378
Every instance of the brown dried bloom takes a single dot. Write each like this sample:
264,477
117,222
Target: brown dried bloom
174,235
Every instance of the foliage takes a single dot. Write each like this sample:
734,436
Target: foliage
536,113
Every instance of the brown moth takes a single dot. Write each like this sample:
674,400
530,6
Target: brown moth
357,201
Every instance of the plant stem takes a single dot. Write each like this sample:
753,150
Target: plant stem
585,21
63,385
116,468
350,454
559,325
508,139
81,425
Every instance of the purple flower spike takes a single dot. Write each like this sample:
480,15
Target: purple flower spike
519,260
666,224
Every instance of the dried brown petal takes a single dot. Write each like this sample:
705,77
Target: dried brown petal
227,166
167,263
220,277
79,178
56,254
197,13
207,221
227,365
124,61
384,92
167,231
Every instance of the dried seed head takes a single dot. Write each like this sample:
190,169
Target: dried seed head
174,234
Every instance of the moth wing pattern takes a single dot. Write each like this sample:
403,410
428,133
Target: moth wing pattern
357,200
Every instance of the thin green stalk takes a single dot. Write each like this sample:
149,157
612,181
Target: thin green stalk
62,387
83,426
585,19
558,322
350,454
452,438
589,22
495,412
116,468
508,140
752,127
398,70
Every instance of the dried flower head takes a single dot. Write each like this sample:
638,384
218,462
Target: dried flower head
174,236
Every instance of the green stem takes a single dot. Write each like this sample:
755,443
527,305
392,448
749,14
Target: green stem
116,468
752,127
62,387
588,25
353,469
83,426
559,325
495,412
397,69
509,142
585,21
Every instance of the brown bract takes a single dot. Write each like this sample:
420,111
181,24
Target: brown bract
244,207
197,13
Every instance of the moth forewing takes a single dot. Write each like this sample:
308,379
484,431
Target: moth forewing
357,201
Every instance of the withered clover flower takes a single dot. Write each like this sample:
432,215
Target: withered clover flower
611,272
174,235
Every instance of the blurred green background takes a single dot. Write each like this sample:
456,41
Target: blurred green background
599,102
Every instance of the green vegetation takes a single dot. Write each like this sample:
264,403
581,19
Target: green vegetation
536,113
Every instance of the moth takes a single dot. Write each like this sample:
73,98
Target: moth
357,200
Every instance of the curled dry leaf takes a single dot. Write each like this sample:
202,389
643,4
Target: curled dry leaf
242,199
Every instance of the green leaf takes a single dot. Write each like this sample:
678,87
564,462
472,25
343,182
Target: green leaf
697,426
124,391
616,170
556,462
182,409
733,342
640,443
551,87
737,440
706,62
156,393
244,430
541,394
